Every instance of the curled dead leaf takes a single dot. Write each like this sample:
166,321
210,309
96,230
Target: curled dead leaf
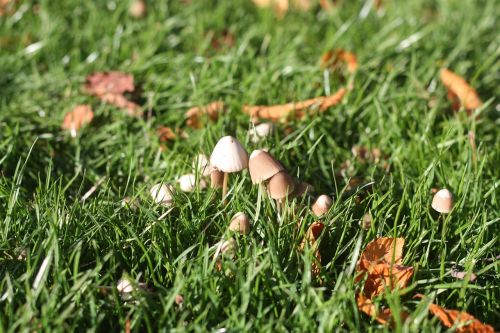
211,110
282,111
76,119
165,134
383,316
464,322
110,87
381,250
460,93
310,239
334,58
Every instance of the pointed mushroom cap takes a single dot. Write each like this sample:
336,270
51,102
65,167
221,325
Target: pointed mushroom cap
202,165
260,131
263,166
187,183
443,201
322,205
240,223
125,286
162,193
280,185
229,155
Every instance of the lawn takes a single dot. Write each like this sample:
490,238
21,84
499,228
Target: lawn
67,238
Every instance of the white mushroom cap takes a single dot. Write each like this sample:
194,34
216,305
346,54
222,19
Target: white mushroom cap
162,194
124,286
202,165
263,166
443,201
229,155
240,223
260,131
187,183
322,205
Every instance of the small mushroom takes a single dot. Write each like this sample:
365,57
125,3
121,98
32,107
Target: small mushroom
125,286
240,223
201,165
137,9
260,132
322,205
216,178
280,186
443,201
263,166
228,156
187,183
162,194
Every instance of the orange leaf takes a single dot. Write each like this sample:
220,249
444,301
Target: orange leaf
165,133
465,322
380,250
280,7
384,316
212,110
332,59
282,111
4,6
310,238
383,276
460,91
110,87
74,120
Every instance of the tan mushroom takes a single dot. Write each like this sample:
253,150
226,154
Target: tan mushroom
240,223
162,194
322,205
263,166
443,201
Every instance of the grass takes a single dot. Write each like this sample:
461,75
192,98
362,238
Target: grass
74,248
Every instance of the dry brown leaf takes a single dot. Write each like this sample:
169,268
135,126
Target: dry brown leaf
4,6
310,238
460,92
165,134
225,39
110,87
211,110
384,316
282,111
328,4
381,250
383,276
76,119
465,322
127,325
333,58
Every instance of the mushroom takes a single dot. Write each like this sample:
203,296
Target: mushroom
321,206
216,178
280,186
202,165
162,194
228,156
263,166
187,183
137,8
240,223
260,131
443,201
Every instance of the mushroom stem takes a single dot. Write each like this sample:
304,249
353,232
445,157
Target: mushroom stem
224,188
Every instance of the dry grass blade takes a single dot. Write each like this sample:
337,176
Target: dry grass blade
283,111
460,92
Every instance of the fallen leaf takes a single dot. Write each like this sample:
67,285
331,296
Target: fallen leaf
460,93
110,87
464,322
310,239
333,58
328,4
384,316
5,6
282,111
225,39
211,110
382,276
76,119
165,134
381,250
127,325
